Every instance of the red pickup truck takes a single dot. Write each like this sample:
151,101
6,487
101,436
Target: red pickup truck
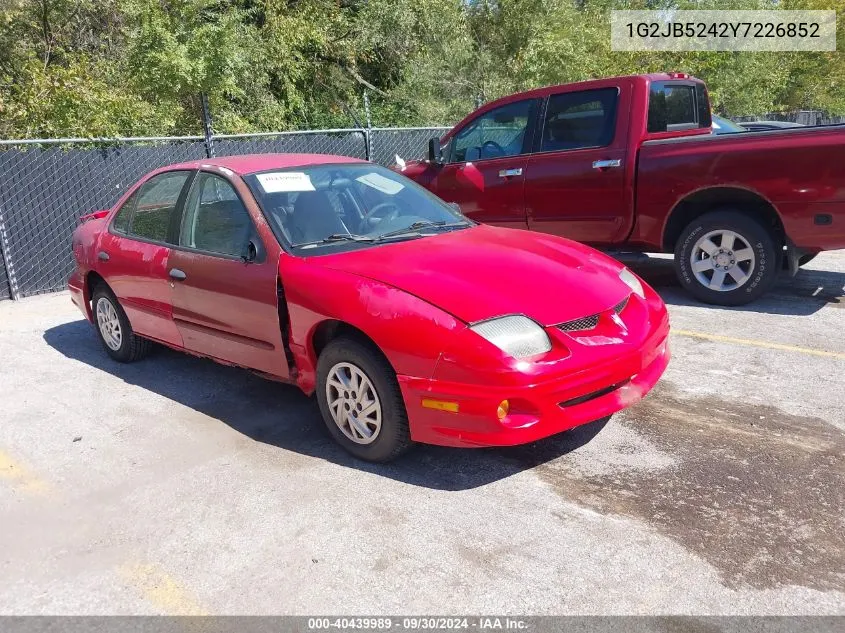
629,163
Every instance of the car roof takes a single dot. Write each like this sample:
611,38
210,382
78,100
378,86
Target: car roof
252,163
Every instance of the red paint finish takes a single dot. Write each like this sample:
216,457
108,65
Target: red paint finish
798,172
137,273
416,300
482,193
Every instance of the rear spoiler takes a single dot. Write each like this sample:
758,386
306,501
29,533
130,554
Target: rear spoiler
96,215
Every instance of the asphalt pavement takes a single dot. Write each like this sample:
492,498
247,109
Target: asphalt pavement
179,486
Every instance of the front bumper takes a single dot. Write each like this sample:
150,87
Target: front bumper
537,410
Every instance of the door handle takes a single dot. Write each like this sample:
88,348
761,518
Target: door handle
604,164
177,274
507,173
103,256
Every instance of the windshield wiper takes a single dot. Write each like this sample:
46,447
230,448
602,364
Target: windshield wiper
338,237
422,224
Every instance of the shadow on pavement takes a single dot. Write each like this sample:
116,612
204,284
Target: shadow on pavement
281,415
805,293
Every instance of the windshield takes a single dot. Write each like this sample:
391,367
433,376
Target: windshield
327,208
723,126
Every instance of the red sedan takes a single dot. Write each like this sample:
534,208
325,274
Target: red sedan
409,321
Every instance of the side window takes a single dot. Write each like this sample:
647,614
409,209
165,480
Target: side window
124,214
676,107
576,120
156,205
215,219
497,133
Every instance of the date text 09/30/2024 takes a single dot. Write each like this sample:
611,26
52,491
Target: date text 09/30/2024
417,623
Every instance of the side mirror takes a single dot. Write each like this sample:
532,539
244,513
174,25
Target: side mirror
254,252
434,153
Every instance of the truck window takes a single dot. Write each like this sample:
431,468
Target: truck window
495,134
576,120
675,106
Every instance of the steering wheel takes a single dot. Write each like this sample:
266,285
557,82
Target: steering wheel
383,211
493,144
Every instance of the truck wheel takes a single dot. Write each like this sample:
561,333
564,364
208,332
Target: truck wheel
360,401
726,258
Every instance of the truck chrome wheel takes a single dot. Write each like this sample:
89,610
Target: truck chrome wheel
353,403
722,260
109,324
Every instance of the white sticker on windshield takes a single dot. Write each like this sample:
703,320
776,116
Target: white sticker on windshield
285,181
377,181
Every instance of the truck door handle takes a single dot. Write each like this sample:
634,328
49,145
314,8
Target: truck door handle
507,173
103,256
604,164
177,274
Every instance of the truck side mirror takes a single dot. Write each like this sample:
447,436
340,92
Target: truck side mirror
434,153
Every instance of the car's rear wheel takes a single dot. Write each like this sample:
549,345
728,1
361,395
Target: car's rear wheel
360,401
726,258
114,330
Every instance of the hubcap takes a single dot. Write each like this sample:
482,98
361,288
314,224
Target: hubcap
722,260
109,324
353,403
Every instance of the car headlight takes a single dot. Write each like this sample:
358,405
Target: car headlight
515,335
633,283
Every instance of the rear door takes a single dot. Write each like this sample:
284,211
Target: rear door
485,165
225,302
133,255
575,179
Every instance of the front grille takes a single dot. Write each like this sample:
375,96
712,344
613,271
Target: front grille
590,322
585,323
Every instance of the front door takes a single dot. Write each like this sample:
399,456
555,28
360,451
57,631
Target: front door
575,180
225,299
485,165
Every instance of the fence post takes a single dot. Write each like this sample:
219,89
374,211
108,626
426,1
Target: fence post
207,127
7,259
368,132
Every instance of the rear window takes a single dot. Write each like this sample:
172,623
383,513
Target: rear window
677,106
156,204
576,120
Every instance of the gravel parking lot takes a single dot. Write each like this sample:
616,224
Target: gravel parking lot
178,486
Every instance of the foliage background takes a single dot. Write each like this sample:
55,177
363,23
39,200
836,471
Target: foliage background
138,67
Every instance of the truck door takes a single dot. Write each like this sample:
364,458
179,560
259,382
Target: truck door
485,165
575,179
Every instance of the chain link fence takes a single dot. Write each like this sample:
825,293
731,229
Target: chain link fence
46,185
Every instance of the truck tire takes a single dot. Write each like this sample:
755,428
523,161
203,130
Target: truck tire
726,258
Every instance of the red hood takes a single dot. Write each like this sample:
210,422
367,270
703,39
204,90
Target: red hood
483,272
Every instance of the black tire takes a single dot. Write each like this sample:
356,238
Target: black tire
132,347
761,271
394,436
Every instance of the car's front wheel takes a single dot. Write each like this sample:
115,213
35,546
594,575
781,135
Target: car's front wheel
360,401
114,330
726,258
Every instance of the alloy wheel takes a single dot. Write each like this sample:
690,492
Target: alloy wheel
722,260
109,324
353,402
